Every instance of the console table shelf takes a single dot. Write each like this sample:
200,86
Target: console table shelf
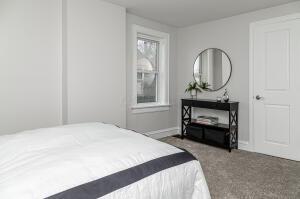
224,135
213,126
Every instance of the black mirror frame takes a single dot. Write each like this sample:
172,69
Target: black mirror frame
210,90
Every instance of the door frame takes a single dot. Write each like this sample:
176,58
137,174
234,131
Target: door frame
254,25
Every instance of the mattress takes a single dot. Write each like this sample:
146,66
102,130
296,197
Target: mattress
96,160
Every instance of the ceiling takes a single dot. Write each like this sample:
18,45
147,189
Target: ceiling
182,13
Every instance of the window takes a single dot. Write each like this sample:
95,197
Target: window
150,74
147,70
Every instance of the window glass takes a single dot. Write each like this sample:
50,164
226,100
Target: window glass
147,70
147,59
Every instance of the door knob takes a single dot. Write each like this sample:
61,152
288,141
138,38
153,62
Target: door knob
258,97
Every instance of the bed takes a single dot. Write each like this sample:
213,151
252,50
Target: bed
96,160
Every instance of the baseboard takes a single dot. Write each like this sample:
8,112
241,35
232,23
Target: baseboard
244,145
163,133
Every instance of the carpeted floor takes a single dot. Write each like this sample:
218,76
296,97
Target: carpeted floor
243,175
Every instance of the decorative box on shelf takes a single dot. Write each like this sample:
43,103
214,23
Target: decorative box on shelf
217,134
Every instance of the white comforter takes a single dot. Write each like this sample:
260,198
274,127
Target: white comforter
40,163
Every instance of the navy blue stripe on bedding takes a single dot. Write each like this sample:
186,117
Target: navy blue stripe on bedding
98,188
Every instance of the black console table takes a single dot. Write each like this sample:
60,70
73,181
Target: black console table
223,135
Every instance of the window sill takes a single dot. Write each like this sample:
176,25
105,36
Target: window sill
146,108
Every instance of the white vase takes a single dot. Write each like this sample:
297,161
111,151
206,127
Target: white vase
194,94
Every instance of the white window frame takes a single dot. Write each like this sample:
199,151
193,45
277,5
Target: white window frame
163,77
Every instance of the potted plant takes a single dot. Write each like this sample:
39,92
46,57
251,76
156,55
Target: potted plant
193,88
204,86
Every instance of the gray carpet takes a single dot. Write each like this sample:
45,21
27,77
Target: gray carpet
242,174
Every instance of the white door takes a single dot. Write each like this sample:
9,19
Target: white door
276,87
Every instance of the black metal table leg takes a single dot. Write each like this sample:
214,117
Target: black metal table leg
186,116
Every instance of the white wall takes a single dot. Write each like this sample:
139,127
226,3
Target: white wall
231,35
61,61
148,122
30,61
37,90
96,84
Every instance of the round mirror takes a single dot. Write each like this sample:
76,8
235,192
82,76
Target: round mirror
212,66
